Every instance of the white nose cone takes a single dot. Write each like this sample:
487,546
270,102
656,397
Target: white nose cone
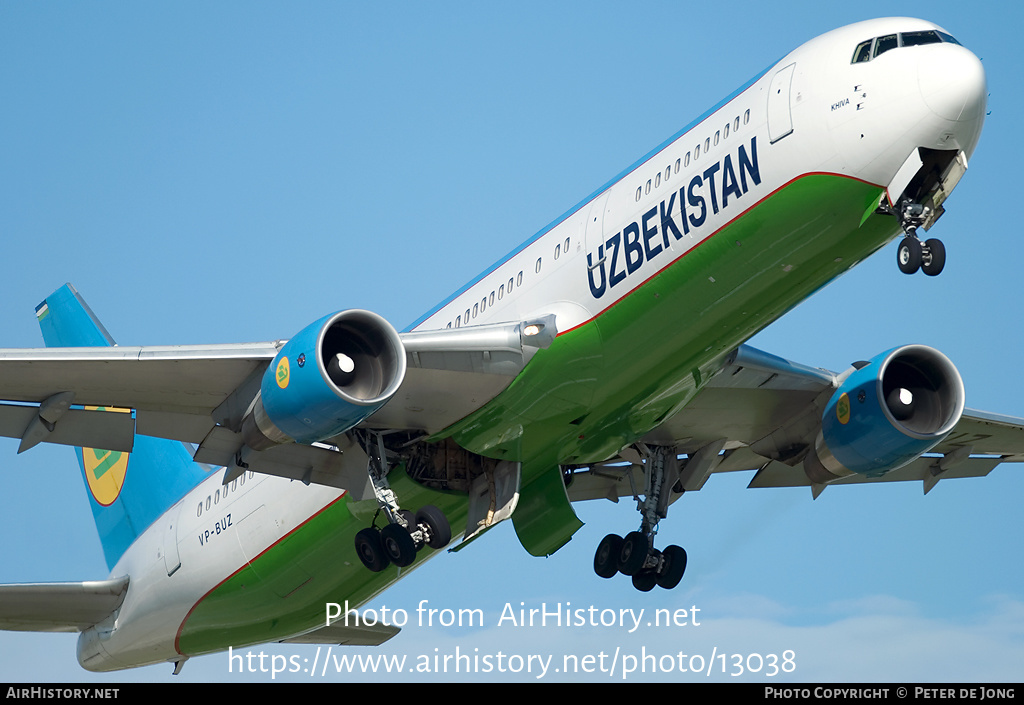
952,82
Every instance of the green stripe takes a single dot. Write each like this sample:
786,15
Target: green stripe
597,389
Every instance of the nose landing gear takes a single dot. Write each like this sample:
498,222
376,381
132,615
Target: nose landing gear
912,254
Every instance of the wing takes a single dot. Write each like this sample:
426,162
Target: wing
764,413
59,607
201,395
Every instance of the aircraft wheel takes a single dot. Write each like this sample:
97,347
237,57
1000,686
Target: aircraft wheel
606,560
398,545
370,550
645,580
633,553
438,528
933,258
909,255
672,568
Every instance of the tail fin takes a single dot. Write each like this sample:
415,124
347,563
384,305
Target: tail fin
127,492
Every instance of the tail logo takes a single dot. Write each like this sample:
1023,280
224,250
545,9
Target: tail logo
105,470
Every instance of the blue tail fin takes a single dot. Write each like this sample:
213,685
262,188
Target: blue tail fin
127,492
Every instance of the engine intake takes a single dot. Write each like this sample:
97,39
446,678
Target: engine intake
886,414
327,379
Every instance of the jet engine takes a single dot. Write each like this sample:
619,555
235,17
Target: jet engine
326,380
886,413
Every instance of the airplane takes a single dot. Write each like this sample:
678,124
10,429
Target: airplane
604,357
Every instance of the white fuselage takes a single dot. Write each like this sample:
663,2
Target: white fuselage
814,111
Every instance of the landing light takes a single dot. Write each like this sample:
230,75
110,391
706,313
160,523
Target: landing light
533,329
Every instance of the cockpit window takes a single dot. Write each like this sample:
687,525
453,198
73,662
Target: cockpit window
911,39
862,52
880,45
884,44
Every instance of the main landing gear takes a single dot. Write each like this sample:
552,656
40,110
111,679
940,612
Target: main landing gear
634,555
406,533
929,256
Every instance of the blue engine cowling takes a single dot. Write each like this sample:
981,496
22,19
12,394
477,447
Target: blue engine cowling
886,414
326,380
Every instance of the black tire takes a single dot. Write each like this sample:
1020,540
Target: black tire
672,567
606,560
934,258
437,526
371,551
398,545
645,580
633,553
908,255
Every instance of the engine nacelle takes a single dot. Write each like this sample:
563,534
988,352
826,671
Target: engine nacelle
886,414
326,380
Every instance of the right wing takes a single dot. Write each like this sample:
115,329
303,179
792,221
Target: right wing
200,395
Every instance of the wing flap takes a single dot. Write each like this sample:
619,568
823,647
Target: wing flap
59,607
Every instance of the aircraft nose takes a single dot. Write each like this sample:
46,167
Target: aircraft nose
952,83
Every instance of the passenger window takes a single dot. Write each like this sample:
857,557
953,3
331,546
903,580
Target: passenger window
483,304
536,267
884,44
639,192
678,162
686,160
519,277
647,188
490,300
501,292
725,132
717,134
862,53
696,153
558,250
736,124
746,116
458,321
707,144
657,180
565,247
510,285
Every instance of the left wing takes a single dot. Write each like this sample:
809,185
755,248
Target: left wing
764,413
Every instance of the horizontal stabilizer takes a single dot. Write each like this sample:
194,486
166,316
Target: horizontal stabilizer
59,607
338,633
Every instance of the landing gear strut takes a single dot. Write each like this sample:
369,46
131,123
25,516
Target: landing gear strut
634,555
912,254
406,533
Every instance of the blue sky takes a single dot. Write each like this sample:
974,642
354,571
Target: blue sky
229,172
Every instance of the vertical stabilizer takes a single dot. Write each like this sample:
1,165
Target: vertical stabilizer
127,491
